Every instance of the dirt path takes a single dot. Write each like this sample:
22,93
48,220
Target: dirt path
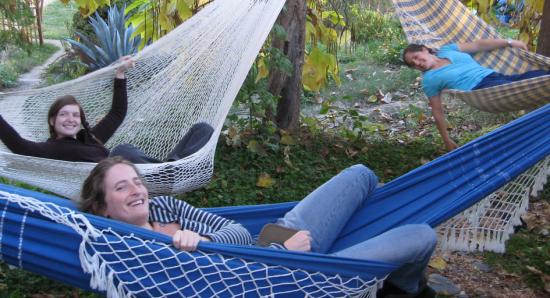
33,78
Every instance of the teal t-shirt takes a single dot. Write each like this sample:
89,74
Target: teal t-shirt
463,73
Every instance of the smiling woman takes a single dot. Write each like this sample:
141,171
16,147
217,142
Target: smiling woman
453,67
71,138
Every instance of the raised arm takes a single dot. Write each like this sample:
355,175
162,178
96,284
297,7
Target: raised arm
490,44
440,122
105,128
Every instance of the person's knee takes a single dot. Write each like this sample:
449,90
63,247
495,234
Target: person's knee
426,234
122,150
366,174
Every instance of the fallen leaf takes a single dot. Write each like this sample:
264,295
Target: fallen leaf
265,181
438,263
372,99
255,147
287,139
351,152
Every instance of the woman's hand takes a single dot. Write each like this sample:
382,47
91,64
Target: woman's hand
187,240
301,241
517,44
124,63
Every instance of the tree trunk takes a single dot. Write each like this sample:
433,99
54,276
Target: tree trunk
289,88
543,46
39,8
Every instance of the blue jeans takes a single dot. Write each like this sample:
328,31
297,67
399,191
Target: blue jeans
326,210
496,79
197,136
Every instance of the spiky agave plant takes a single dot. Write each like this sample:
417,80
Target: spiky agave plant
114,39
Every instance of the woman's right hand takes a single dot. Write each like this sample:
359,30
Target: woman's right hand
301,241
186,240
124,63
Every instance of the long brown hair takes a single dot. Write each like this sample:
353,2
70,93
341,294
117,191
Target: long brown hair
413,48
57,105
93,189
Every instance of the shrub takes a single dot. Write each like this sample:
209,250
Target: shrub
112,39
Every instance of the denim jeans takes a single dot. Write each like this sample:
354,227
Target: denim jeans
326,210
197,136
496,79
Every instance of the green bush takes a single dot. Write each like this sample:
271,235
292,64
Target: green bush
8,76
381,33
18,61
68,68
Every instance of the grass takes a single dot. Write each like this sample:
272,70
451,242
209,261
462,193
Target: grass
524,251
361,77
19,61
57,19
299,169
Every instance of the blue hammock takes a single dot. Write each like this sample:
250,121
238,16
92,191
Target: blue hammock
138,262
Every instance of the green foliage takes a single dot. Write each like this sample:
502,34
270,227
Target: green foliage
112,39
387,51
382,33
371,25
18,283
154,19
68,68
525,250
18,61
16,15
8,76
57,20
88,7
297,169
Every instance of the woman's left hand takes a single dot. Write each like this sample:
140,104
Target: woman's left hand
124,63
187,240
518,44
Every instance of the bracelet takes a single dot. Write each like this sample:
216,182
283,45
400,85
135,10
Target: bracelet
509,42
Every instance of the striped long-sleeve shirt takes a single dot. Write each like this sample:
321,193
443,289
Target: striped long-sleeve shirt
167,209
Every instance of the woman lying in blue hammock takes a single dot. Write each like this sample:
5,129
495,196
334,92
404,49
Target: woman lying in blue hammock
452,67
114,189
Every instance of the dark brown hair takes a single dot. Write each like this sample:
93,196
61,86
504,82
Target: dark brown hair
57,105
413,48
93,188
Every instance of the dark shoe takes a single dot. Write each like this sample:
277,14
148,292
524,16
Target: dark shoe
391,291
197,136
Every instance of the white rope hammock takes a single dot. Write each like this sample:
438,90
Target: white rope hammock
190,75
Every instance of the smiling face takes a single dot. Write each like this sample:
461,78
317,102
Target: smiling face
421,60
126,197
67,121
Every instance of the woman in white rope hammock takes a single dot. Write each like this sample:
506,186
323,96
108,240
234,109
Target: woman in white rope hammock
114,189
452,67
72,139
